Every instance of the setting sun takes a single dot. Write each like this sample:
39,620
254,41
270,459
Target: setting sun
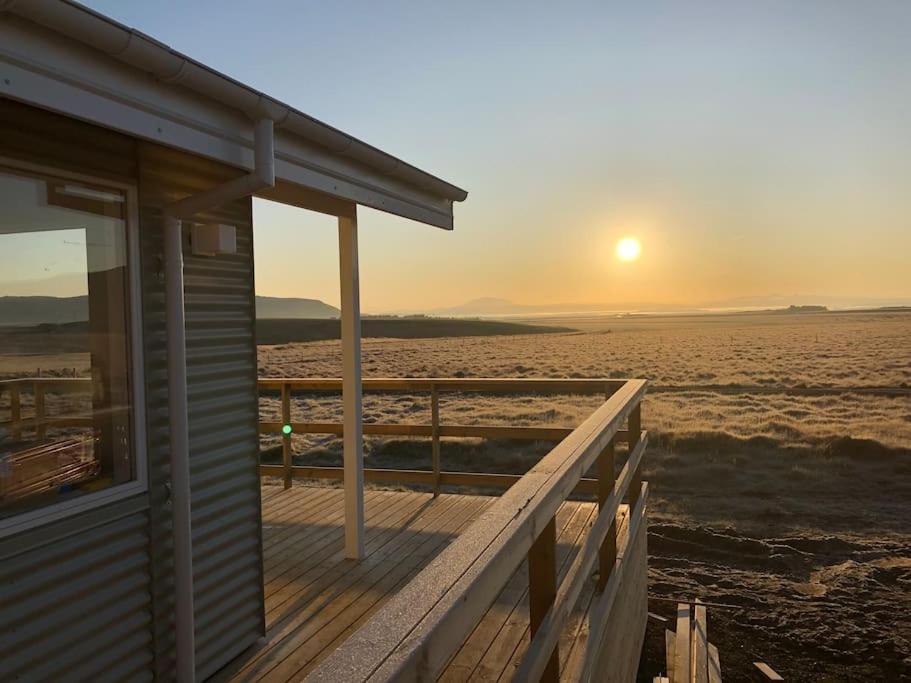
628,249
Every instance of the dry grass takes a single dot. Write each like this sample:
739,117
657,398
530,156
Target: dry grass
794,507
841,352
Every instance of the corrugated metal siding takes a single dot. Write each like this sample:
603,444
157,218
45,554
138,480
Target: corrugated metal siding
77,609
110,571
221,373
75,596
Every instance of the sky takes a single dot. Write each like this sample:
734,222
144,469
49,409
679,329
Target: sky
758,151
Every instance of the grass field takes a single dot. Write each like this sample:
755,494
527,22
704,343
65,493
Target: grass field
780,464
780,458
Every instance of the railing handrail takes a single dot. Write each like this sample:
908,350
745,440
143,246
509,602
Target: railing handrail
414,635
435,430
417,631
469,384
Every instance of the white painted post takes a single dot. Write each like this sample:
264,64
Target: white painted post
351,388
178,428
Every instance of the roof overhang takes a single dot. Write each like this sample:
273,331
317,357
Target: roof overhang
61,56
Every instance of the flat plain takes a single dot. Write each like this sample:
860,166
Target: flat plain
779,459
780,464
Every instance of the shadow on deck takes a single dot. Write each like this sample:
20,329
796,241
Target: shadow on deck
315,598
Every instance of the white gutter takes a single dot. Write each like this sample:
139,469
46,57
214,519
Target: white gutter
263,175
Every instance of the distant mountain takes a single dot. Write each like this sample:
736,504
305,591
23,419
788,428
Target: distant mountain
491,306
485,306
33,310
280,307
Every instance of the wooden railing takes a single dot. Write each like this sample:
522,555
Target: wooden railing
416,633
434,477
39,421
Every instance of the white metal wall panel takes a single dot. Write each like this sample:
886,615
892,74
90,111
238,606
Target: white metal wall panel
221,375
75,595
132,637
75,606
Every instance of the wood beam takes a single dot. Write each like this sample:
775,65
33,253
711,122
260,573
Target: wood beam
351,388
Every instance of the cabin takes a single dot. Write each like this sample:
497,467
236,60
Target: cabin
141,537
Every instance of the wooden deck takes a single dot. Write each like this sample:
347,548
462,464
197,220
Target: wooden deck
315,598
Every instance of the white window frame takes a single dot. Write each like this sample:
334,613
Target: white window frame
65,509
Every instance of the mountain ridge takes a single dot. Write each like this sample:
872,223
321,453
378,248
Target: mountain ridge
35,310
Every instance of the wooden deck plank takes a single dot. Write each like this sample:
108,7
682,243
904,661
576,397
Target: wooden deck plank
505,611
316,599
326,550
682,666
572,667
583,515
281,555
289,516
475,647
670,651
700,645
410,574
767,672
714,665
279,600
338,574
346,606
285,633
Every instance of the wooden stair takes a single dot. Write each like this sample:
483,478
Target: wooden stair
691,658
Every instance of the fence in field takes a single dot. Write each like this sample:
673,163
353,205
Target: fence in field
434,476
37,419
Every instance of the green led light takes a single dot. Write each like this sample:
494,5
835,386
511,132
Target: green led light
286,429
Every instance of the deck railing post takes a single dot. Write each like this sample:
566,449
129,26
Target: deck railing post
435,436
634,429
352,387
286,433
606,482
15,408
40,426
542,588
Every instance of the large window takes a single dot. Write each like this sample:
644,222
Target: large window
68,421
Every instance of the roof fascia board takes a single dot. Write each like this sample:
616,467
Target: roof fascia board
47,70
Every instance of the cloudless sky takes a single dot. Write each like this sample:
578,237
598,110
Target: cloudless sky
754,148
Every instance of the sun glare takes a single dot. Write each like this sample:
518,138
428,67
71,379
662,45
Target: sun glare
628,249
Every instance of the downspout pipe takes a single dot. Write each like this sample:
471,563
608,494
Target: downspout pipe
262,176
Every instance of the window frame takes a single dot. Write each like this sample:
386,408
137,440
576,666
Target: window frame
67,509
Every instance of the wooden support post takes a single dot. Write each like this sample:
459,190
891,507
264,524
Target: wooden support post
700,654
351,388
435,436
634,429
682,668
606,482
15,407
542,588
286,434
40,426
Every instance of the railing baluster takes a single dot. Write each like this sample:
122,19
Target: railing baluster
606,482
634,429
286,433
435,436
15,407
40,426
542,588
